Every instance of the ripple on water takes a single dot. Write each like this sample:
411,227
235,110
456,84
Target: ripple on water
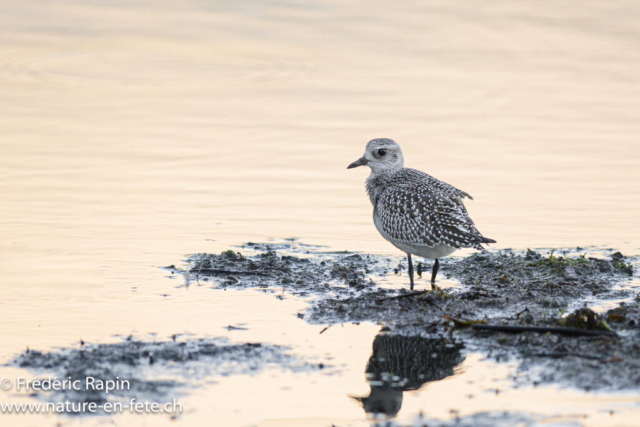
151,69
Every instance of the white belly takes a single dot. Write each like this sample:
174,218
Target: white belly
438,251
434,252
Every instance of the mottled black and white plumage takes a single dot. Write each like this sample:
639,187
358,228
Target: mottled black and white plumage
417,213
416,209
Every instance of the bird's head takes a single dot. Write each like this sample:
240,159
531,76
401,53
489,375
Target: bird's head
381,155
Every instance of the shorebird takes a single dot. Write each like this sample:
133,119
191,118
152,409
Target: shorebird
417,213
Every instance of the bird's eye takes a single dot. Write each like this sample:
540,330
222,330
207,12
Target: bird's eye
382,151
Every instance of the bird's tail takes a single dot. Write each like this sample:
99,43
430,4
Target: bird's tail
479,240
486,240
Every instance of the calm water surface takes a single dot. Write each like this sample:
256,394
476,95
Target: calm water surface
133,133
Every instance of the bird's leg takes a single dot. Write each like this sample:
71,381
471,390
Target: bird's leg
434,273
410,270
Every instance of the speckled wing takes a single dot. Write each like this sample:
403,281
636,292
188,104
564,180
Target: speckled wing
417,209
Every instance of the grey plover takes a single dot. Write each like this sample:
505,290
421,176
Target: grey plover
417,213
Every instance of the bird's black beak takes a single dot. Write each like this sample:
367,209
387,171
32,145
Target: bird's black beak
360,162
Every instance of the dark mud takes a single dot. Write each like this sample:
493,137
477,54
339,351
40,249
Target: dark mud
308,272
528,290
152,371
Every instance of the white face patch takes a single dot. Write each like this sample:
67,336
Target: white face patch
369,156
391,159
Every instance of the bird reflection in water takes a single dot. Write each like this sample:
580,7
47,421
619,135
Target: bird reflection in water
400,364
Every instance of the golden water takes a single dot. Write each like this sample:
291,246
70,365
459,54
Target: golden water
132,133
